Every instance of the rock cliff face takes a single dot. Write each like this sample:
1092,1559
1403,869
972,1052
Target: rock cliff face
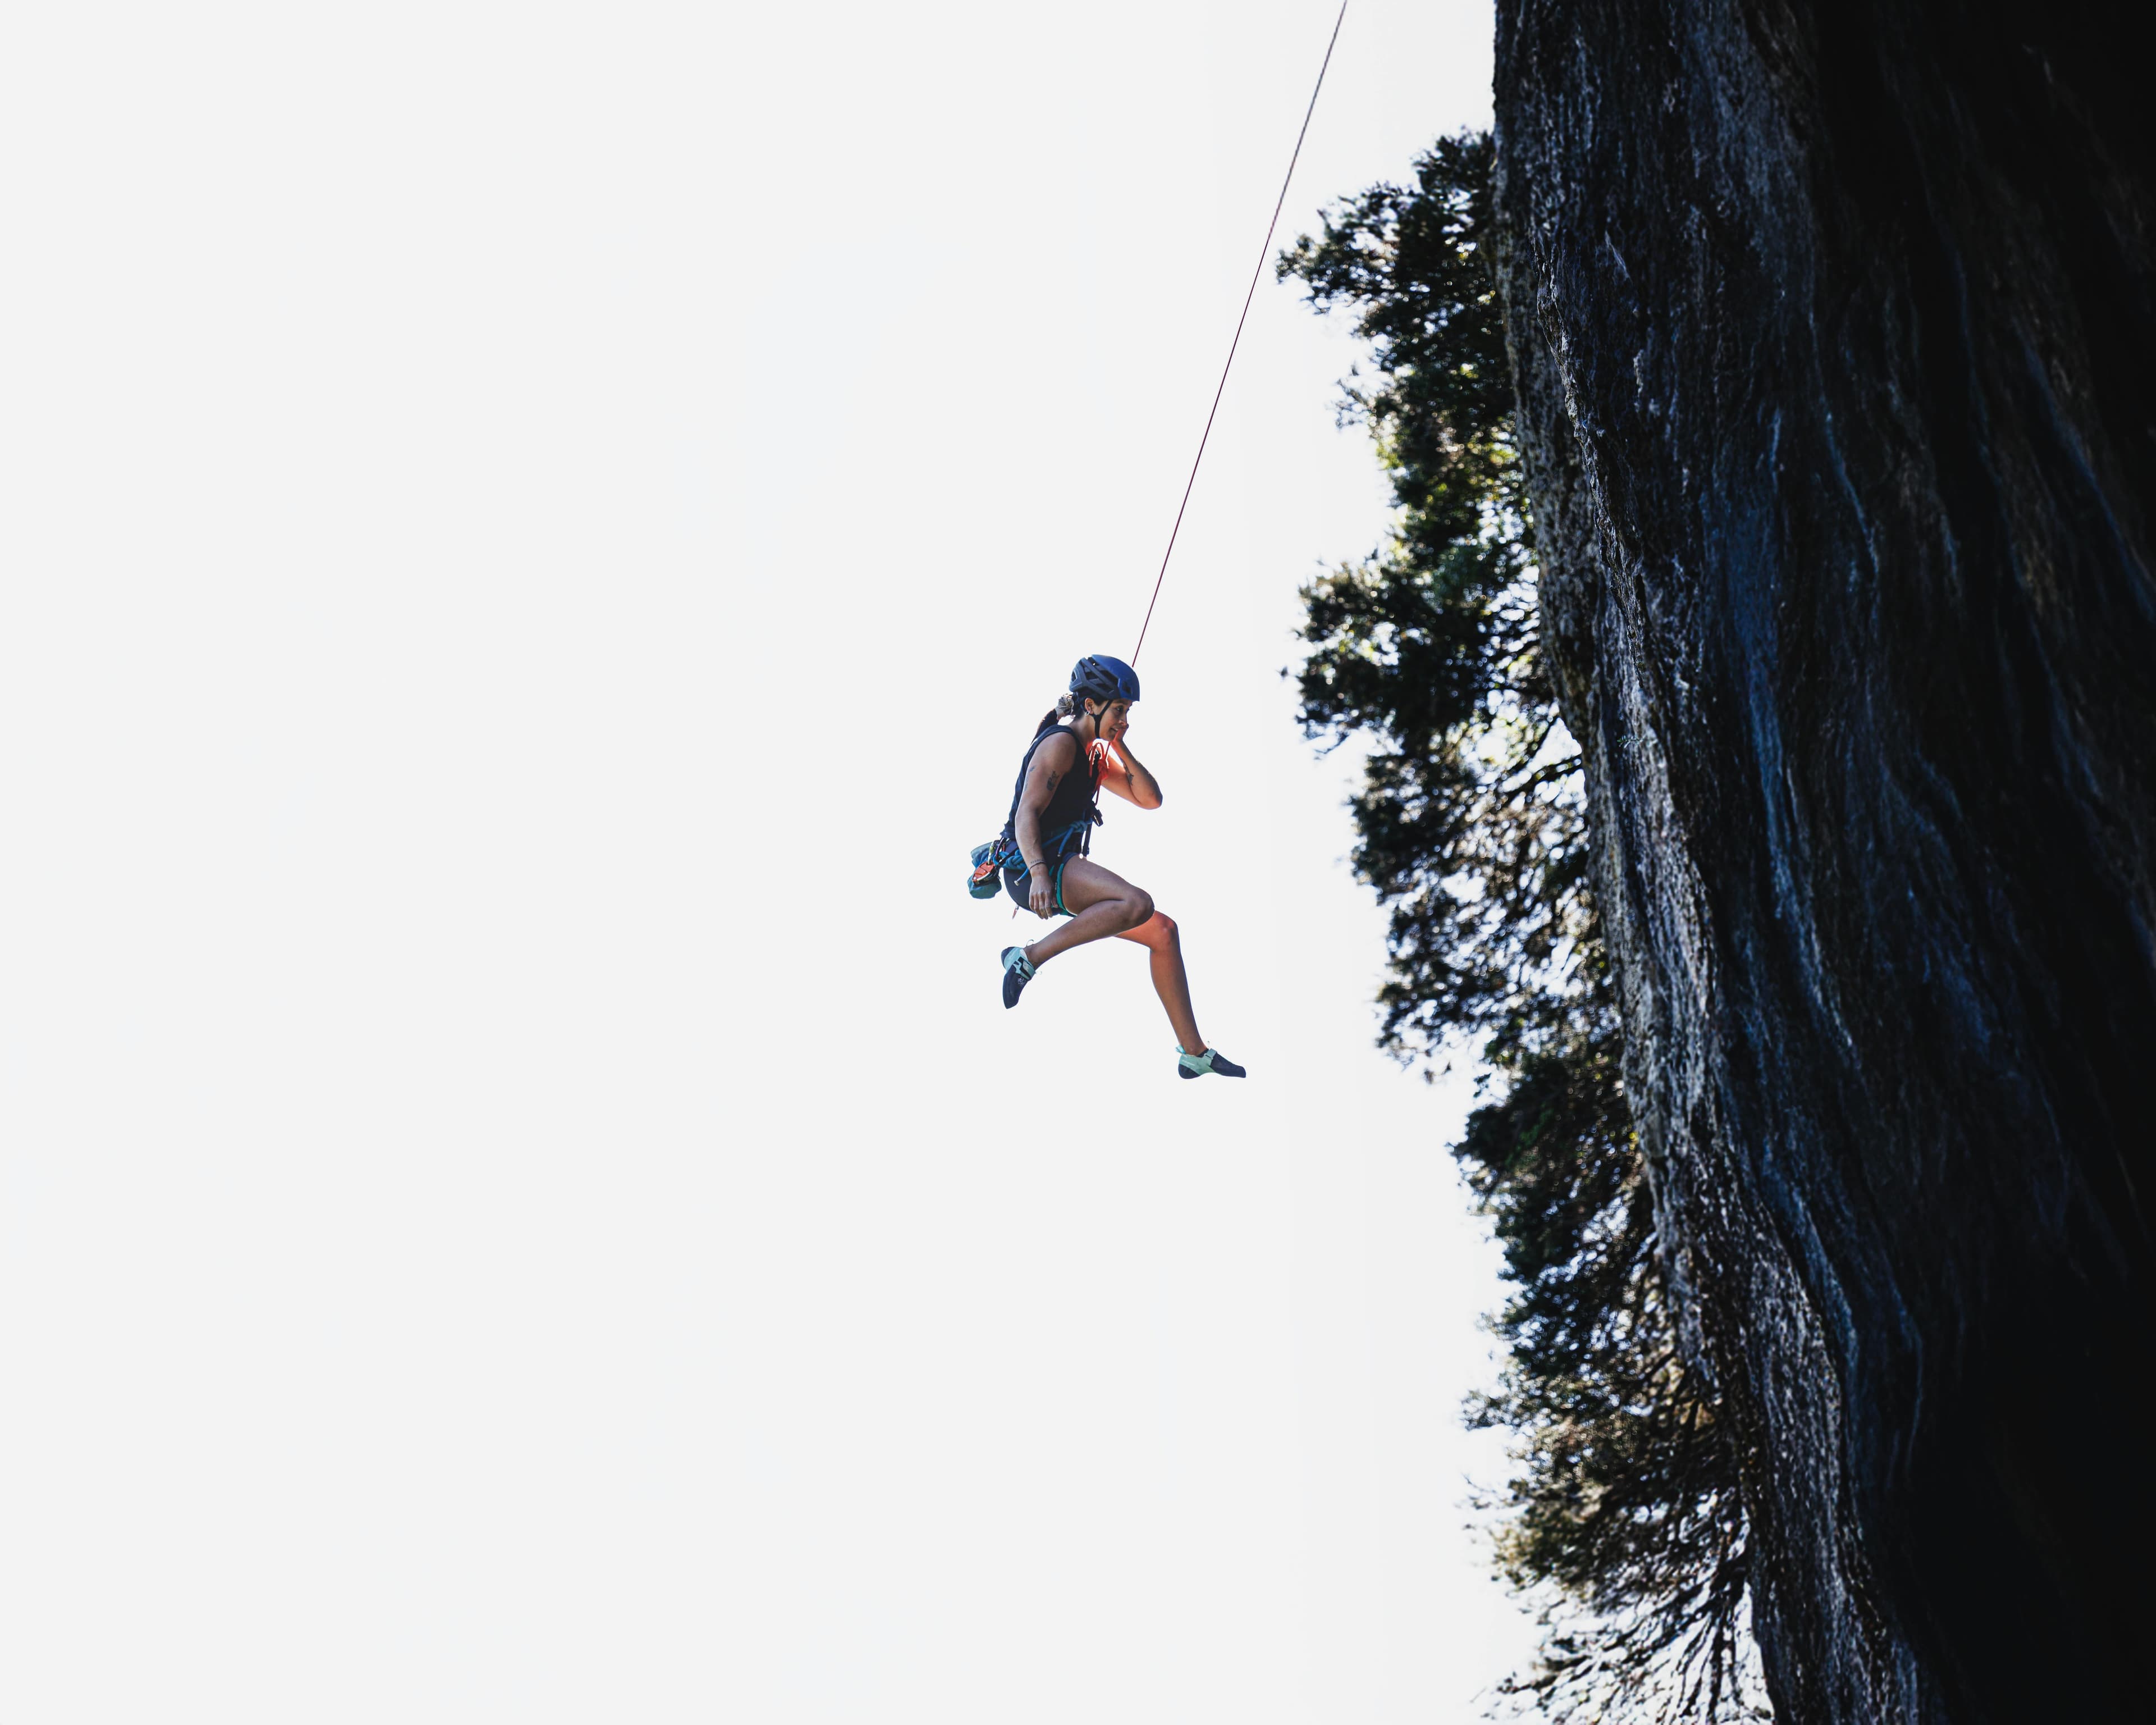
1835,327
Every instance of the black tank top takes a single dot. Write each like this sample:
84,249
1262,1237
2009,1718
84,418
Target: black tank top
1077,794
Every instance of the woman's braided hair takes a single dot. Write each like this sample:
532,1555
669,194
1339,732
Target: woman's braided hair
1067,706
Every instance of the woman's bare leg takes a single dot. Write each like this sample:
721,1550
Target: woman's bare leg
1104,904
1169,980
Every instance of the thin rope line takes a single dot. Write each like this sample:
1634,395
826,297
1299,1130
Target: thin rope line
1265,251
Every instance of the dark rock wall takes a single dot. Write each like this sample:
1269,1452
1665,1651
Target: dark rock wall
1835,326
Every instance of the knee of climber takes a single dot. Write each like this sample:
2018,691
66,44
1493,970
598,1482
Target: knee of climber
1163,928
1138,909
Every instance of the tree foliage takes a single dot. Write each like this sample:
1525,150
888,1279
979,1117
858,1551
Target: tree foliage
1624,1516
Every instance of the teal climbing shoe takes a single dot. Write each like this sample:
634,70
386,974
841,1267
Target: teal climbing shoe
1191,1066
1018,972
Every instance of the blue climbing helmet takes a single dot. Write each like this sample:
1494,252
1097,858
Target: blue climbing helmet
1099,678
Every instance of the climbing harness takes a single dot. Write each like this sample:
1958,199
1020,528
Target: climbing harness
1073,835
1264,252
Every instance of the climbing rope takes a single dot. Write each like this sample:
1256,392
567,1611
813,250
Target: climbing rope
1264,252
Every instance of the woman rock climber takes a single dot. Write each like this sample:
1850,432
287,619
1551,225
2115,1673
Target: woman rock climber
1053,810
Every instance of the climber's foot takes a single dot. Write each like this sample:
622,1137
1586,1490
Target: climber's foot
1018,972
1191,1066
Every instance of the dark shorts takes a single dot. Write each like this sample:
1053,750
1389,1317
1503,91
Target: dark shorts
1018,882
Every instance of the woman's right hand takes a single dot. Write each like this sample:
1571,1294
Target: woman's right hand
1043,896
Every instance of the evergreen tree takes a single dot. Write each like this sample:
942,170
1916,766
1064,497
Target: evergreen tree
1625,1516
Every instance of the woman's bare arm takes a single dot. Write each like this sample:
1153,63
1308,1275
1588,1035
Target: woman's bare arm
1128,776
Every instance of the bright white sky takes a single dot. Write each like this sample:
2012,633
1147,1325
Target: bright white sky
534,538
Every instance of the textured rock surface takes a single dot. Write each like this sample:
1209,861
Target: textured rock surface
1835,332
